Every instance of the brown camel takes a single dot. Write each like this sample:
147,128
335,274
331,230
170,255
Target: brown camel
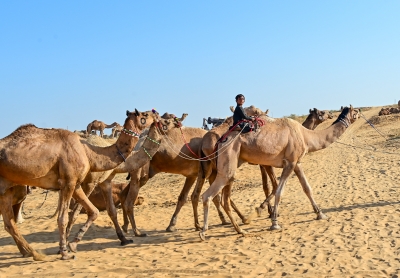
209,170
97,199
279,143
104,179
19,195
100,126
384,111
57,159
175,157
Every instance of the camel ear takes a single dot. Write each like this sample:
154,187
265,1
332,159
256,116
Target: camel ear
266,112
137,112
127,112
341,108
310,111
232,109
351,107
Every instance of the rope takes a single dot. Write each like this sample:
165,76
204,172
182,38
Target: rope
362,115
187,157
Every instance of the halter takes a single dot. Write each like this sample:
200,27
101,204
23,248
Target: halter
344,122
130,132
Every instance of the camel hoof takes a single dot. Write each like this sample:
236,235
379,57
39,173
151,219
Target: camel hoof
258,210
202,236
242,232
126,242
246,221
68,257
197,227
73,246
141,235
171,229
322,216
39,257
225,222
125,229
275,227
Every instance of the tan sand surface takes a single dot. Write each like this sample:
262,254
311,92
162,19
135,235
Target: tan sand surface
355,181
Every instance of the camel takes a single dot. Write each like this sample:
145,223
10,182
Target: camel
19,195
175,157
279,143
57,159
104,179
394,110
116,130
97,199
384,111
209,171
98,125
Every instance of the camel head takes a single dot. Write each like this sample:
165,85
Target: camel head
138,121
184,115
349,113
168,124
320,115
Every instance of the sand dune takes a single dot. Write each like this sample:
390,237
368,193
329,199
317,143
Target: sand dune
355,182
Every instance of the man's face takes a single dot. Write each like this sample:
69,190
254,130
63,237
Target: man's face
240,100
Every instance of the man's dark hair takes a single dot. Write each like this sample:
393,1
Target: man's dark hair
239,96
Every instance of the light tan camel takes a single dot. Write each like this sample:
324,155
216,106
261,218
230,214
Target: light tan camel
116,130
279,143
58,159
104,179
100,126
209,170
175,157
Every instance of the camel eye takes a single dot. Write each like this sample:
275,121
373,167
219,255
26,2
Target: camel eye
142,121
164,127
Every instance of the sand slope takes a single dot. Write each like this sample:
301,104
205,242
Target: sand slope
356,187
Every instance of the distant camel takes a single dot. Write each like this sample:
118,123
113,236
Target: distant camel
98,125
116,130
279,143
384,111
58,159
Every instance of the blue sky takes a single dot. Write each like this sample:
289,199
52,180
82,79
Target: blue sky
66,63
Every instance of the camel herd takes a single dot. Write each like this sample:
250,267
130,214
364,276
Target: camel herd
83,172
390,110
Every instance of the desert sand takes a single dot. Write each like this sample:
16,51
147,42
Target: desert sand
355,182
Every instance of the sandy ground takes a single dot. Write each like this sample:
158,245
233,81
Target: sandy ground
356,186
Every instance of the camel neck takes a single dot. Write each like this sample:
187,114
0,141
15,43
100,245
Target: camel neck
321,139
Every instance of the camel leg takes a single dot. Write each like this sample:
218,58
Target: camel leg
307,189
17,209
217,201
67,189
287,170
73,215
129,196
195,201
106,190
181,201
92,213
10,226
226,195
122,198
216,187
